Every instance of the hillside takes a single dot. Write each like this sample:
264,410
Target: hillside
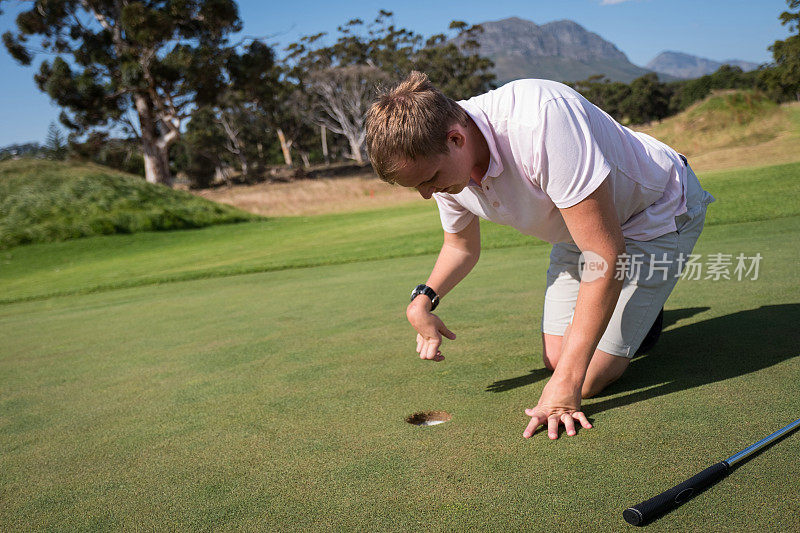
47,201
686,66
562,50
732,129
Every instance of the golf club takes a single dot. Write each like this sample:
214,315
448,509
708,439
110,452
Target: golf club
639,515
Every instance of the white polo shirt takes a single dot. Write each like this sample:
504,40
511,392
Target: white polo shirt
550,148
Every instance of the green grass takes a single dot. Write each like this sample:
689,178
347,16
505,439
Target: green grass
275,401
102,263
48,201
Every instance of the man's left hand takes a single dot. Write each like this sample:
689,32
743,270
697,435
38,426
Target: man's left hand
559,404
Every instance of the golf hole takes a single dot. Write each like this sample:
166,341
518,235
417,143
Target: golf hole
428,418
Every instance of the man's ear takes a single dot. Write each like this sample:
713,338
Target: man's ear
456,136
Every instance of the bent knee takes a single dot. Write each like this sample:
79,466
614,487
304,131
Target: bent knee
595,382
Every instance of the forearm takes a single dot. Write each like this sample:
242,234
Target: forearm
593,309
459,254
452,265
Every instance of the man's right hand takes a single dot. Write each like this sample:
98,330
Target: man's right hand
430,329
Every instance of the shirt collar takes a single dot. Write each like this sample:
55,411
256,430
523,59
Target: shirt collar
482,121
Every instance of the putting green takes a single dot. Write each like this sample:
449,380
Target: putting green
277,400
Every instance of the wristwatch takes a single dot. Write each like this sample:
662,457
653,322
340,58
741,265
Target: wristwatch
427,291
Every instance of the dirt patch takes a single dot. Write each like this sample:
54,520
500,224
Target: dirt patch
313,196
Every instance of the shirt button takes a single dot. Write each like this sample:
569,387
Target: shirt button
496,204
488,188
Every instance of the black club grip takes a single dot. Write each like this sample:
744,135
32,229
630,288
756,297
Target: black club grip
644,512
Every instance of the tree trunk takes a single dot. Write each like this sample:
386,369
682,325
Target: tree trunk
324,135
287,155
355,148
235,146
156,162
155,148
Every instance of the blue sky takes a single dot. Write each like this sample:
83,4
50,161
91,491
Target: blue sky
715,29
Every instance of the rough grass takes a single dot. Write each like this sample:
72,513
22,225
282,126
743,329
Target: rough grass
47,201
732,129
313,196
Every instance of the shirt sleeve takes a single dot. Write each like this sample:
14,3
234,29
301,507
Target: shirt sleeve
453,215
571,164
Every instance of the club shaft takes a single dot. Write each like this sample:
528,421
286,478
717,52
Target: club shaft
733,459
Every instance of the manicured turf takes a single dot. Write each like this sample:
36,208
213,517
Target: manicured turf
100,263
275,400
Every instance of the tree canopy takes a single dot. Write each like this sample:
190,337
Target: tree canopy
155,59
786,76
340,79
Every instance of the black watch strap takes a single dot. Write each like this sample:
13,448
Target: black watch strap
427,291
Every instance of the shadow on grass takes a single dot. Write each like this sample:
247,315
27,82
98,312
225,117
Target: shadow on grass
697,354
537,374
504,385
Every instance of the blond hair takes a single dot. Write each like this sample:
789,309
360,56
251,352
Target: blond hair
407,121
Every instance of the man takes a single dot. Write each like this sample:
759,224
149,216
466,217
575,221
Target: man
536,155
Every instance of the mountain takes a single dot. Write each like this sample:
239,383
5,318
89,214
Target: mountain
561,50
688,66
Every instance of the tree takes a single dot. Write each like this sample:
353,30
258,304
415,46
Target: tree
648,100
455,65
605,94
786,54
365,55
154,59
55,144
203,147
343,97
264,102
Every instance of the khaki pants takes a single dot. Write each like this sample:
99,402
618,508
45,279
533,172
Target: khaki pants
645,288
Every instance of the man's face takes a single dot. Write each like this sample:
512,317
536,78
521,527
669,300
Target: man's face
448,173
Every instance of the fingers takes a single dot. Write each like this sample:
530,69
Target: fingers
430,329
535,422
580,417
569,425
553,421
552,427
430,348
